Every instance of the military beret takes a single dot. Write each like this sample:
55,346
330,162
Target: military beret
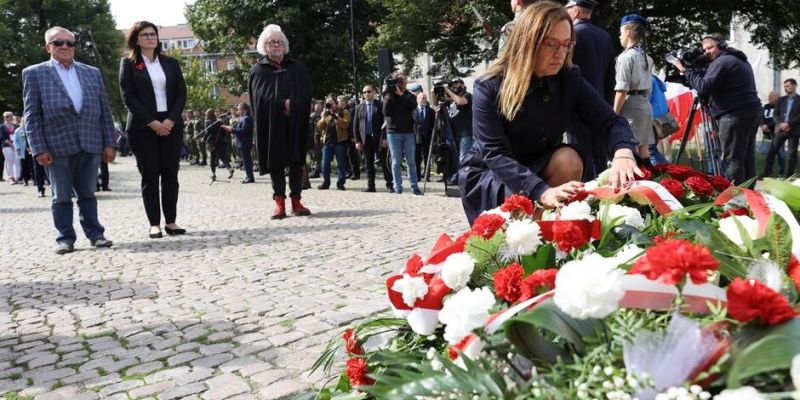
415,88
631,18
590,4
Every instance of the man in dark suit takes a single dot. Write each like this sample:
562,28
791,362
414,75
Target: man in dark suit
70,129
424,118
787,127
367,124
594,54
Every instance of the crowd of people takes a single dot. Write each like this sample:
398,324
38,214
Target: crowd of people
506,140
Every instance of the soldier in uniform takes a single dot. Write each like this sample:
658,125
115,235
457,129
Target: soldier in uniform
634,83
517,6
594,54
188,138
314,137
199,126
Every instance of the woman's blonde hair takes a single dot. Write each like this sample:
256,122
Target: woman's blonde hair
517,61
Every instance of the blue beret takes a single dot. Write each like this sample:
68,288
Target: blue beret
631,18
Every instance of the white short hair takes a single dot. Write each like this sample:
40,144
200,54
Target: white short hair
56,29
263,39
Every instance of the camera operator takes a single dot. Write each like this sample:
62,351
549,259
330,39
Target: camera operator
730,84
335,137
398,106
460,115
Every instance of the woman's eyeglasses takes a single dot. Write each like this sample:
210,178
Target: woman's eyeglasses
553,45
148,35
59,43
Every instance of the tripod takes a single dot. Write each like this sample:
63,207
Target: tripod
710,130
437,135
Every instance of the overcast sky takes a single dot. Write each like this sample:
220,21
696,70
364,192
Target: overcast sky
159,12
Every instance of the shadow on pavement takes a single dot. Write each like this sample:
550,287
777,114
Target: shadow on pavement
37,295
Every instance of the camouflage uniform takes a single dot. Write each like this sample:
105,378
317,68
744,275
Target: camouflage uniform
505,32
189,140
315,144
199,126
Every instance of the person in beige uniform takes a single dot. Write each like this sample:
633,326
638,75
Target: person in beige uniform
634,83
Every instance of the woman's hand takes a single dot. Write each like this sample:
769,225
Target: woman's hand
623,168
556,196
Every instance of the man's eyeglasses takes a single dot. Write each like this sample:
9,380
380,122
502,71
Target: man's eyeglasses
275,43
148,35
553,45
59,43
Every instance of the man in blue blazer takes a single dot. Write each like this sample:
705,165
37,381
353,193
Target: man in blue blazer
70,128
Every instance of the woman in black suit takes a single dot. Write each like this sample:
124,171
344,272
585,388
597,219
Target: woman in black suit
154,92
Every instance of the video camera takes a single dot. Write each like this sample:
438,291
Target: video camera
690,57
389,84
438,89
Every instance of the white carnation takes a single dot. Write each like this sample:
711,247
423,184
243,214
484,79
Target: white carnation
577,210
497,211
795,372
628,254
630,215
465,311
729,227
523,237
590,287
742,393
457,270
412,288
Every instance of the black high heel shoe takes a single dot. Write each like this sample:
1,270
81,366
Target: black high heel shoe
157,235
173,232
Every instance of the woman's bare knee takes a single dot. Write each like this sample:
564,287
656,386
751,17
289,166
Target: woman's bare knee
565,165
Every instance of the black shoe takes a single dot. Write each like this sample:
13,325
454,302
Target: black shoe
417,192
323,187
370,189
213,178
173,232
41,193
202,163
64,248
248,180
390,189
348,175
155,235
340,188
356,177
230,172
101,243
314,175
105,188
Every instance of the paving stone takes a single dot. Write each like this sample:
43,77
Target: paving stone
45,359
69,393
181,392
281,389
286,338
167,374
197,374
224,386
148,390
213,361
123,386
182,358
268,377
145,368
38,376
215,348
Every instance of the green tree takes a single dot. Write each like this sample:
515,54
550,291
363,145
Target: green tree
318,33
22,28
199,83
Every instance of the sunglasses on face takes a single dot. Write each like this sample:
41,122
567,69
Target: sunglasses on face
59,43
148,35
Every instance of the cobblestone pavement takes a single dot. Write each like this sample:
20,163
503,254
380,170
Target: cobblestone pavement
239,308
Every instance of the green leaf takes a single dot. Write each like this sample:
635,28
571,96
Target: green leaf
763,349
525,332
779,240
545,257
785,191
746,239
727,252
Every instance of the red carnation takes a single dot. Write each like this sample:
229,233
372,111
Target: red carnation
518,202
719,182
679,172
543,278
735,211
700,186
674,187
357,372
793,270
487,224
507,282
670,260
568,236
351,343
751,299
647,175
660,168
414,265
139,66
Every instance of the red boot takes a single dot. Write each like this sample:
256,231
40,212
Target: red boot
297,207
280,208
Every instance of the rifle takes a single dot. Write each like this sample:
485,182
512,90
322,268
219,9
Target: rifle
485,23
